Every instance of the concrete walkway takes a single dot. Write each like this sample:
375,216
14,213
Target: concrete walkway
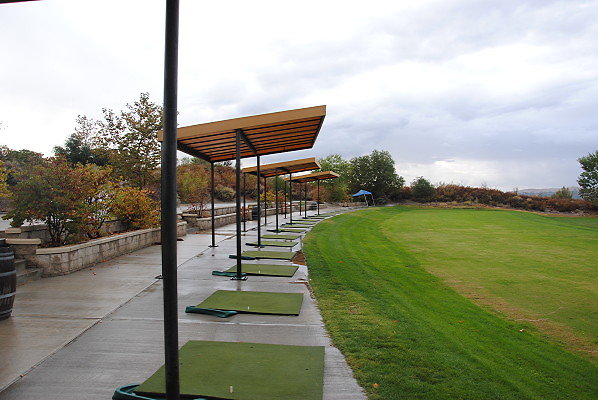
82,335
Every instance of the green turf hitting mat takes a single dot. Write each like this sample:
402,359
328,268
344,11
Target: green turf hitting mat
296,225
244,371
273,243
283,237
266,269
250,302
273,255
287,230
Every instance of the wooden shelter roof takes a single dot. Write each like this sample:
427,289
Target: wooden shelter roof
316,176
268,170
263,134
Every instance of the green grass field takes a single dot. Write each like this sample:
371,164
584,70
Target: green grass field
460,303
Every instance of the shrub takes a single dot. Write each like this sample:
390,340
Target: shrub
422,189
493,197
135,208
270,198
193,186
97,200
224,193
69,199
563,193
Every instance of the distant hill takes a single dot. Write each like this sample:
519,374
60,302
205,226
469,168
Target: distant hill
549,192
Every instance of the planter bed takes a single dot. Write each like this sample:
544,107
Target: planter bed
66,259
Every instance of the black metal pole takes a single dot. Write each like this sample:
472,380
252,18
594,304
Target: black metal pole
168,202
265,202
213,207
291,196
284,210
276,197
244,203
259,209
300,199
318,197
238,199
305,211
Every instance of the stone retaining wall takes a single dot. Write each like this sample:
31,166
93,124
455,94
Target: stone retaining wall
66,259
40,231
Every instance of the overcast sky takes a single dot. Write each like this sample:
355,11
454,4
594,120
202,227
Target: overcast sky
502,93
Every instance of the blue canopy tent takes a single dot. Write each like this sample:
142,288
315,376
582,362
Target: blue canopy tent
364,193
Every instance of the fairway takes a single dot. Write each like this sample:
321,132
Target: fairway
460,303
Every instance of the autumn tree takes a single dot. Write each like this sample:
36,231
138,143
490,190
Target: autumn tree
17,162
135,208
193,185
4,190
60,195
130,140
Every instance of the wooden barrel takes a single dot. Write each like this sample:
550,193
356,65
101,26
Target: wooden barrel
8,281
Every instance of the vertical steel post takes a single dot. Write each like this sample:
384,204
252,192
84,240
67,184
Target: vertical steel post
244,203
259,209
318,197
213,207
168,202
305,211
291,196
276,197
300,199
238,201
284,210
265,202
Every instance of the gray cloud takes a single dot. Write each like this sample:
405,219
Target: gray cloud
502,92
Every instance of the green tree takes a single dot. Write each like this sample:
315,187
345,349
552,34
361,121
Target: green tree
82,146
375,173
130,140
337,189
588,179
563,193
17,162
422,189
4,190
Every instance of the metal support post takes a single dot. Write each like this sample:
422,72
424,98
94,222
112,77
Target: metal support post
284,210
291,196
244,204
168,203
259,208
238,202
305,211
318,197
276,197
265,202
300,199
213,207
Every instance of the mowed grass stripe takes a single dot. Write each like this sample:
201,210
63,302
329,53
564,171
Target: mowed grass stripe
406,334
526,265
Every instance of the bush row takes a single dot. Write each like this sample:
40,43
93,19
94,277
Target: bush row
497,198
